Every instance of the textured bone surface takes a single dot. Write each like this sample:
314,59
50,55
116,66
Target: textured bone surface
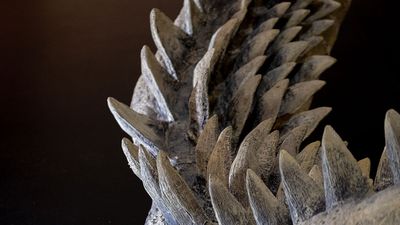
221,116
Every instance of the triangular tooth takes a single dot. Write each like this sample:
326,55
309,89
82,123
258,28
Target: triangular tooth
221,38
308,156
132,155
178,197
266,208
204,67
241,103
311,118
296,17
170,41
275,75
392,137
205,144
316,174
283,38
293,140
266,25
278,10
384,175
227,209
266,155
316,46
305,198
313,67
156,79
148,107
298,94
300,5
328,7
190,17
220,159
317,28
365,166
270,102
343,178
289,53
142,129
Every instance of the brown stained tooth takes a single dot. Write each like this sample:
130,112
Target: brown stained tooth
257,46
296,17
365,166
278,10
308,156
245,72
266,208
289,53
266,25
270,102
384,175
283,38
317,28
392,137
313,67
300,5
291,142
316,46
316,174
132,155
190,17
328,7
266,155
343,177
274,76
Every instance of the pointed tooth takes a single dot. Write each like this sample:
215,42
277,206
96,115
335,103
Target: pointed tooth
169,39
317,28
300,5
205,144
220,159
132,155
293,140
392,137
278,10
298,94
305,198
313,67
283,38
190,17
316,174
296,17
289,53
141,128
270,102
308,156
275,75
204,67
227,209
310,118
221,38
257,46
266,155
343,178
328,7
365,166
316,46
384,175
266,208
177,195
267,25
156,79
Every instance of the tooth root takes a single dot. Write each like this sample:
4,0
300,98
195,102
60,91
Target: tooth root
205,144
298,94
220,159
342,175
141,128
317,28
176,194
305,198
169,40
384,175
190,17
313,67
266,208
316,174
392,136
296,17
270,102
275,75
132,155
289,53
227,209
308,156
156,79
293,140
365,166
284,38
328,7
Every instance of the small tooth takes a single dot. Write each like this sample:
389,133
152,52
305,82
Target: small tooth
275,75
316,46
142,129
296,17
169,40
278,10
289,53
221,38
298,95
132,155
305,198
266,155
343,178
392,137
257,46
300,5
293,140
313,67
190,17
327,8
283,38
365,166
308,156
316,174
317,28
177,195
266,208
384,175
220,159
270,102
206,143
267,25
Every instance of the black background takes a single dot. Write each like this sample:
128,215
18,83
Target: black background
61,161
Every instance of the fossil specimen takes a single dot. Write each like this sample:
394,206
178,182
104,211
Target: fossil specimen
221,110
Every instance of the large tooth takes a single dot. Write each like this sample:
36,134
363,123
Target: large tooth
307,157
220,159
221,38
177,195
392,136
278,10
384,175
296,17
257,46
283,38
132,155
190,17
291,142
317,28
156,79
266,208
227,209
327,8
298,94
313,67
206,143
289,53
343,178
169,39
142,129
305,198
275,75
270,102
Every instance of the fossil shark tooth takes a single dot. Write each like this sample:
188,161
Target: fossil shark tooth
132,154
392,136
384,175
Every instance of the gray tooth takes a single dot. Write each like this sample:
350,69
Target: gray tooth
289,53
392,136
296,17
271,101
283,38
190,17
327,8
291,142
317,28
132,155
308,156
313,67
384,175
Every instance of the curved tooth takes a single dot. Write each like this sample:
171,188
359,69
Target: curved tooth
266,25
177,195
291,142
169,39
316,174
300,5
307,157
283,38
296,17
317,28
205,144
132,155
227,209
142,129
298,94
384,175
305,198
313,67
221,38
342,175
270,102
328,7
392,137
277,10
275,75
190,17
257,46
220,159
266,155
266,208
289,53
156,79
316,46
